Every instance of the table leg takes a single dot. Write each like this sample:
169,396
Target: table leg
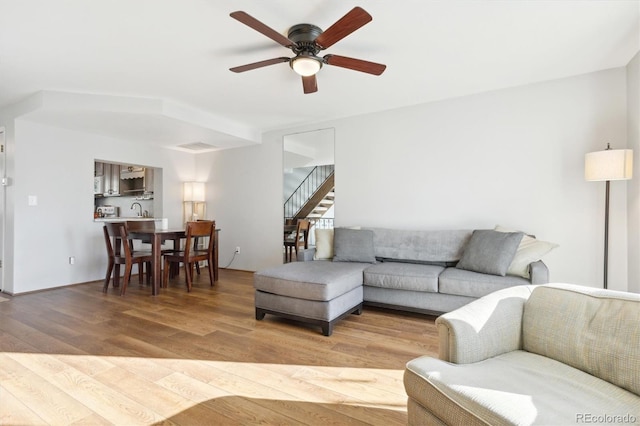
215,257
156,249
116,269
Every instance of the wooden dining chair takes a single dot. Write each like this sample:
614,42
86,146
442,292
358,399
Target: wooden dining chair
192,253
119,252
299,239
141,225
196,243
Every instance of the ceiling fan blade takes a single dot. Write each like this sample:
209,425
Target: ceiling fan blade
252,22
310,84
355,64
248,67
354,19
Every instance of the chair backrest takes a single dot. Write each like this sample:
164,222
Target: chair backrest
201,228
115,234
141,225
302,232
591,329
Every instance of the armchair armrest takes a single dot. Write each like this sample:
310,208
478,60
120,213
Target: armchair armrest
484,328
539,272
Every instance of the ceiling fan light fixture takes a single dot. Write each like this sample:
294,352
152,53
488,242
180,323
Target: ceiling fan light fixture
306,65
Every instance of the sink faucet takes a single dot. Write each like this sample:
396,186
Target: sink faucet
133,207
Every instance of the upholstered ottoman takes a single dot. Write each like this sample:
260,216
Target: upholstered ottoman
320,292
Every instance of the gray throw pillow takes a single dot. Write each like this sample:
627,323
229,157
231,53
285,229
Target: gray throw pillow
353,245
490,252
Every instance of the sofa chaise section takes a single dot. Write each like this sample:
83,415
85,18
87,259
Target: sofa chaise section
320,292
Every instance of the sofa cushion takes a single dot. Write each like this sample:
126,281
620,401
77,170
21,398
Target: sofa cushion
439,246
403,276
515,388
317,280
324,244
353,245
490,252
591,329
529,250
474,284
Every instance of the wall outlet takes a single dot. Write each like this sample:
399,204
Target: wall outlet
72,260
237,250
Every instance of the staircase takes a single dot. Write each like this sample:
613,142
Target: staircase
325,204
313,197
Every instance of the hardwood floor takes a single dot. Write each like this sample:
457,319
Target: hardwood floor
77,356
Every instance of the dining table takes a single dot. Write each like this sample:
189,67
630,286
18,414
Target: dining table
157,237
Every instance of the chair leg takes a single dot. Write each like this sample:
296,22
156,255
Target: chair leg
188,273
127,277
108,277
197,268
215,266
149,272
211,271
167,267
140,272
175,270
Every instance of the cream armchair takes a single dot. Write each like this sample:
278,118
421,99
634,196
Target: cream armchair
549,354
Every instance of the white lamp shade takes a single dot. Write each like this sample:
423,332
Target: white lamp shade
194,191
305,66
610,164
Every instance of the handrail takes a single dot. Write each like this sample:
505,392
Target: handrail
306,189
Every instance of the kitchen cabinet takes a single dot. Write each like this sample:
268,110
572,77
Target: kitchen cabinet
98,169
113,180
107,179
148,180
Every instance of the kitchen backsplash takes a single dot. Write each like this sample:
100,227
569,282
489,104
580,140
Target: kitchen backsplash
124,205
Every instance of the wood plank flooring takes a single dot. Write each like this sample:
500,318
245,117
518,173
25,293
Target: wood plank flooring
76,356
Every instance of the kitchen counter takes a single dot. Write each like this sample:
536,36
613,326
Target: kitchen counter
122,219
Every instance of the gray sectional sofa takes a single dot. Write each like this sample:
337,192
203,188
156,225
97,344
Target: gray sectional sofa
419,271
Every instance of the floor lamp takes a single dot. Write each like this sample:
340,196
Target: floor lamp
608,165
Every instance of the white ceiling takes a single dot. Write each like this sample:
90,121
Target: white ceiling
177,53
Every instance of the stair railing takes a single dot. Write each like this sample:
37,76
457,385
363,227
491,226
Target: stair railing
306,189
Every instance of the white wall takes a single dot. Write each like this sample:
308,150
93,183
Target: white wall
244,197
513,157
633,194
56,165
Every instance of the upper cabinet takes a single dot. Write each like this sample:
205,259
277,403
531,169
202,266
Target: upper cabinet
113,180
148,180
106,179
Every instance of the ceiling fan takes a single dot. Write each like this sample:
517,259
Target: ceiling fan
306,41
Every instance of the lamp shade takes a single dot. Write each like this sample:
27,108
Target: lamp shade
305,65
194,192
610,164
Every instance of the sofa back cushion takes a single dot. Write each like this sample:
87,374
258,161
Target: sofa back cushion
442,247
594,330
